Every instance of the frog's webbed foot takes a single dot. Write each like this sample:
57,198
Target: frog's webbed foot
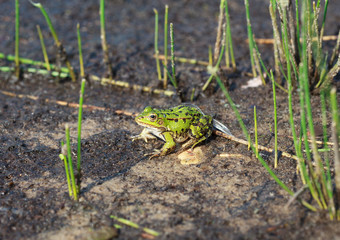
145,135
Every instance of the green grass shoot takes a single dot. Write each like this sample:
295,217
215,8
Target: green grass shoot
220,32
80,112
165,63
247,136
275,120
228,40
321,69
103,38
70,164
43,48
213,69
255,130
159,74
55,37
326,155
173,54
192,95
250,39
62,156
17,25
81,61
170,77
74,188
335,137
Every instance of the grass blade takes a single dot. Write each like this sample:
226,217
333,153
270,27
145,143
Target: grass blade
63,158
60,47
43,48
165,75
70,164
81,61
275,120
80,112
229,39
103,38
17,25
156,46
335,137
250,39
172,55
255,128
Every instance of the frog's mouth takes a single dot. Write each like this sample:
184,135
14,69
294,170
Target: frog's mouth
151,127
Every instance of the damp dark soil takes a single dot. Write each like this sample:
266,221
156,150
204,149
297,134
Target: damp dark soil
227,196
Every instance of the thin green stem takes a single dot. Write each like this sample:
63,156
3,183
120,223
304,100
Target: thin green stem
43,48
255,129
17,25
165,75
275,119
250,38
63,158
335,137
80,112
327,176
210,63
156,46
314,185
70,164
323,20
81,61
265,69
213,70
103,38
228,37
56,39
172,54
48,20
297,21
245,132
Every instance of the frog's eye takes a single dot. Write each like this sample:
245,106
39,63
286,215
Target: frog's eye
152,117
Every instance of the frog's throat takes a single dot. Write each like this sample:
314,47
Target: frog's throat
151,126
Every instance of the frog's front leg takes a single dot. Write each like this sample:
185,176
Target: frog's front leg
148,134
168,147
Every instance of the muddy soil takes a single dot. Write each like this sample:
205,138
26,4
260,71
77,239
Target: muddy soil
227,196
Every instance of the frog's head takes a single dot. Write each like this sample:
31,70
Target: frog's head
150,118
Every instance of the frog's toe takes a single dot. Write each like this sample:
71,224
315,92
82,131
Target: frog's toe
155,153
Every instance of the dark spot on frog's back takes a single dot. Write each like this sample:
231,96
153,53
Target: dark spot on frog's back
176,120
175,114
186,114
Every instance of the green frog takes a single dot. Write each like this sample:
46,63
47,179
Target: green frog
174,125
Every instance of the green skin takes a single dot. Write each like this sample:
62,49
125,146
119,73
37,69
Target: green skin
177,124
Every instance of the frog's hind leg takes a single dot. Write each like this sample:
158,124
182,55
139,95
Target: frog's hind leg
193,142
